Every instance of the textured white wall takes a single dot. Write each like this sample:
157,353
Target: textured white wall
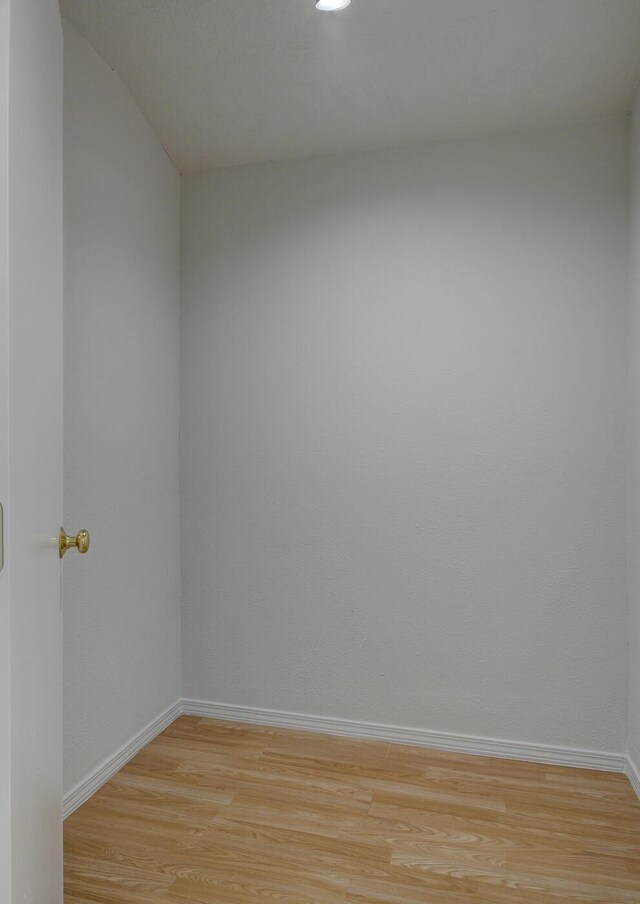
403,436
634,457
121,601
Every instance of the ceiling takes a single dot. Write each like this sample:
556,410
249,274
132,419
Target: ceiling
237,81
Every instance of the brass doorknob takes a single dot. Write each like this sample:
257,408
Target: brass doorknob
79,542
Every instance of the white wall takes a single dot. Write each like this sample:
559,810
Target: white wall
634,457
5,674
122,615
403,436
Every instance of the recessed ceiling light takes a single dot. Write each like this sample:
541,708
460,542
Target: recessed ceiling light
332,6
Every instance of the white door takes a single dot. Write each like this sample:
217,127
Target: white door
30,451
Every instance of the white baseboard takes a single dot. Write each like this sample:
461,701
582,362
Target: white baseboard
416,737
633,772
92,782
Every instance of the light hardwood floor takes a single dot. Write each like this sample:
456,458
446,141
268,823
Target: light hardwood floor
223,813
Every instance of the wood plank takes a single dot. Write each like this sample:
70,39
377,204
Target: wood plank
223,813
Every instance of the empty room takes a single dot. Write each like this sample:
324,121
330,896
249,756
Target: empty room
320,452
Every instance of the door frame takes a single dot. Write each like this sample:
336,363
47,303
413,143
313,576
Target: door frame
31,309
